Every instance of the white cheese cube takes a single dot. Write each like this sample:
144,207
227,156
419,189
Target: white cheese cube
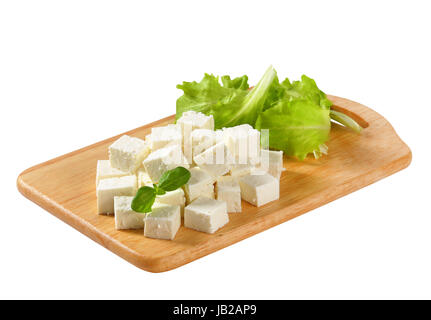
105,171
206,215
190,121
125,217
200,184
259,189
127,153
219,136
162,222
207,192
239,170
165,136
244,143
175,198
202,139
228,190
197,119
162,160
143,178
271,162
107,189
148,140
217,160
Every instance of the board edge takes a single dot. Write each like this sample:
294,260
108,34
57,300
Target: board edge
158,264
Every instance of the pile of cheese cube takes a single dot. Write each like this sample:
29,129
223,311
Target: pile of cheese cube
226,166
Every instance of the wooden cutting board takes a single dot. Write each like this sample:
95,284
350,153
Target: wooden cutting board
65,186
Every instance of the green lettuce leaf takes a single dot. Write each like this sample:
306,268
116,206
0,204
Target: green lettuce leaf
276,92
297,116
254,101
231,104
307,88
236,83
297,126
211,98
297,113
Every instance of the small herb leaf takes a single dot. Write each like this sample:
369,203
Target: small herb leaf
170,181
144,199
174,179
159,191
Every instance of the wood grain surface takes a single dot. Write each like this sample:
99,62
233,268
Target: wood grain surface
65,186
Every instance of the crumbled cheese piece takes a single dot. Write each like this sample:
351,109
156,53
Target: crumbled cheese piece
197,119
219,136
227,189
125,217
201,184
190,121
109,188
163,221
163,160
202,139
165,136
217,160
239,170
259,188
127,153
272,162
148,140
105,171
206,215
244,143
175,198
143,178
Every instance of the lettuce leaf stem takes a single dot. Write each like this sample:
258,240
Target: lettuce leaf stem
253,102
345,120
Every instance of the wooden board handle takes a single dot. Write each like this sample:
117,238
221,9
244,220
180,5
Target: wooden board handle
363,115
361,121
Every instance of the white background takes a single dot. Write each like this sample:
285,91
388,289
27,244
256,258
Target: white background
76,72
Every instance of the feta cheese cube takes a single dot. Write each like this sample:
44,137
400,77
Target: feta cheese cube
190,121
198,120
127,153
125,217
105,171
271,162
148,140
244,143
175,198
206,215
163,221
259,189
109,188
207,192
219,136
143,178
239,170
163,160
202,139
217,160
200,184
228,190
165,136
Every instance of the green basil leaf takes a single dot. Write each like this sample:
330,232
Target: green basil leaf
174,179
159,191
144,200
